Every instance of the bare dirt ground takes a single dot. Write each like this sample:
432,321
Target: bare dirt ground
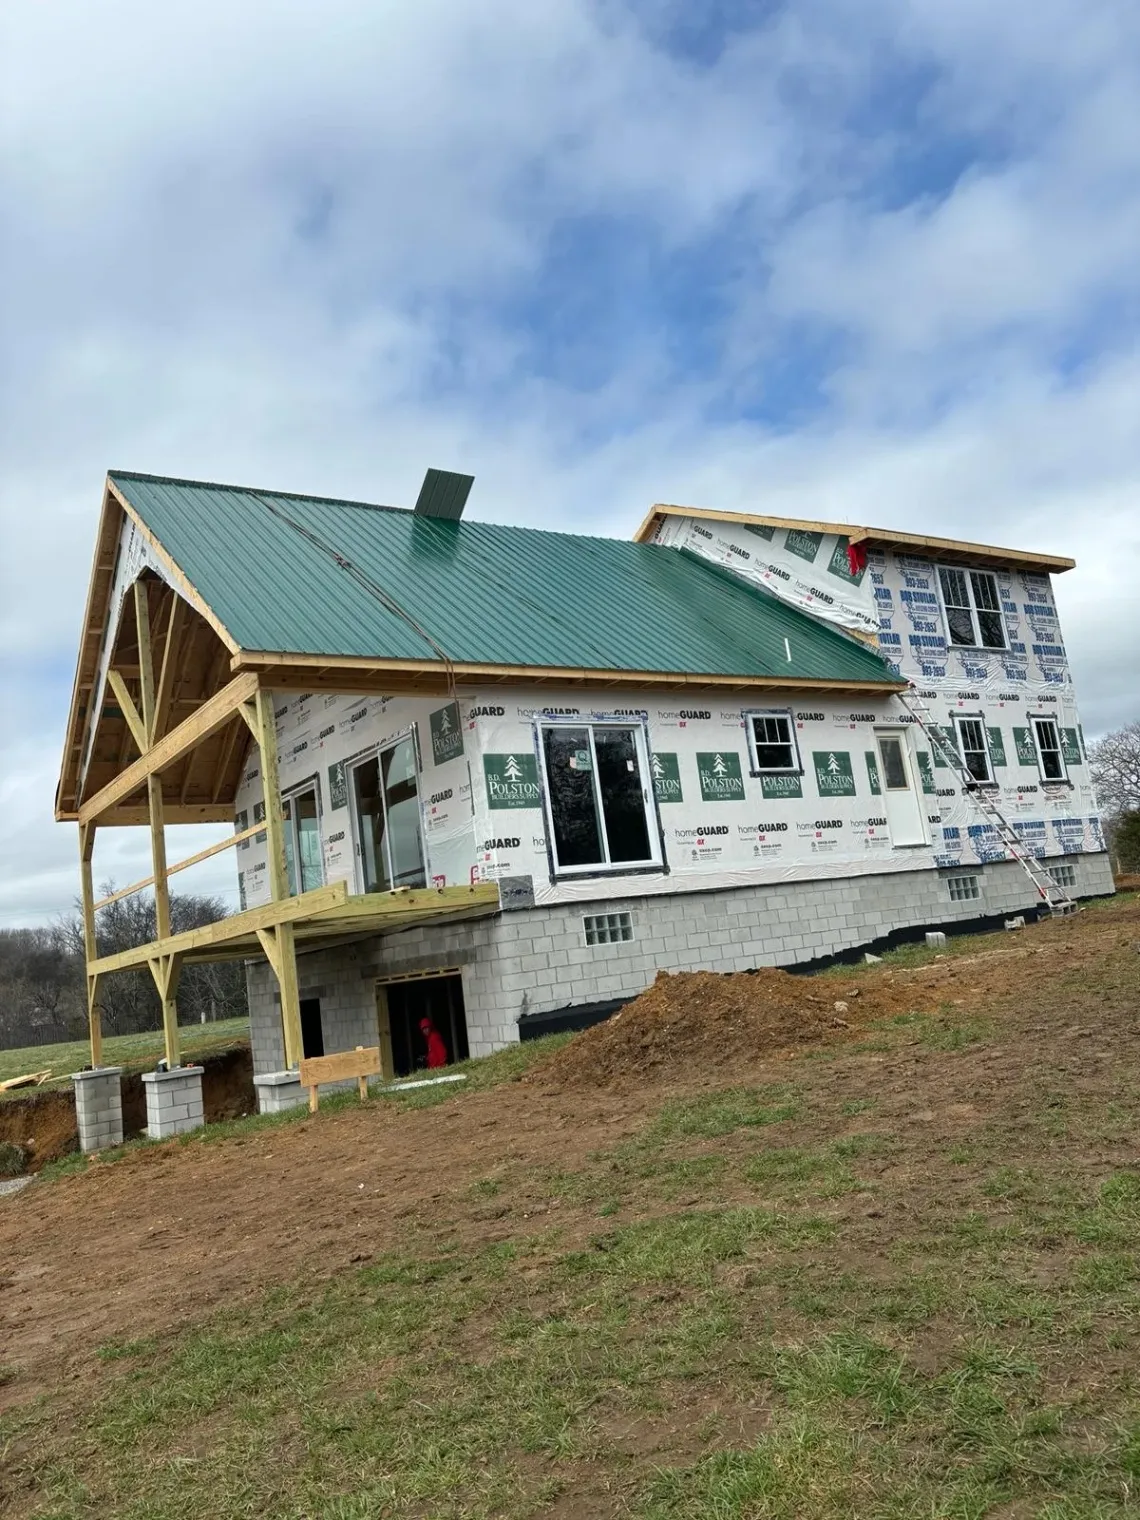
164,1235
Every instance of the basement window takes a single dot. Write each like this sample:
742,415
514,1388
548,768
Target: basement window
962,888
973,746
973,608
1047,738
1064,876
607,928
598,798
772,743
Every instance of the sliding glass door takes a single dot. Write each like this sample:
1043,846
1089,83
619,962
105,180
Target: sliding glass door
386,809
599,805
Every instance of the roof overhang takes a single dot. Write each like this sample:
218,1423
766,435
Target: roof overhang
950,550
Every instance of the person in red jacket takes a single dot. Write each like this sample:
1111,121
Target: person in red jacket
436,1049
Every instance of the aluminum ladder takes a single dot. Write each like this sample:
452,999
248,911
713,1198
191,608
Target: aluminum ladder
1054,896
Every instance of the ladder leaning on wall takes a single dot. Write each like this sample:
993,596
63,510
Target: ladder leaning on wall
1054,896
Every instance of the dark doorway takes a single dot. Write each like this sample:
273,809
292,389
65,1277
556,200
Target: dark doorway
439,998
312,1035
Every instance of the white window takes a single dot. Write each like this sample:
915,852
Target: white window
772,743
386,816
973,746
598,798
1050,759
301,816
973,608
1064,876
607,928
962,888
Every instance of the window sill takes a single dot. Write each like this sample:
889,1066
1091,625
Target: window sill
605,873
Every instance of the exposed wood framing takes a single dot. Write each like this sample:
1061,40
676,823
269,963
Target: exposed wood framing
212,715
164,692
354,673
184,865
135,724
286,951
238,925
90,946
854,533
165,970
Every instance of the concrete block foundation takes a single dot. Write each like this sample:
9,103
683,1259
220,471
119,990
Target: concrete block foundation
99,1108
173,1101
278,1091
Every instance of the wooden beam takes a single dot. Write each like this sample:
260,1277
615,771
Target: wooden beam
235,732
165,689
290,994
268,941
414,902
236,926
213,714
286,968
248,712
350,672
130,712
146,656
183,865
90,945
134,816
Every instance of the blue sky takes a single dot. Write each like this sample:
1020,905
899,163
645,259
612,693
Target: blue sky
875,263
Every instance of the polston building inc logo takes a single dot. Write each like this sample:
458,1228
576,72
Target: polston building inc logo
666,773
446,734
720,777
512,781
833,775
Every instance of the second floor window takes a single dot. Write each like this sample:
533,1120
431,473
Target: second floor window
772,743
973,608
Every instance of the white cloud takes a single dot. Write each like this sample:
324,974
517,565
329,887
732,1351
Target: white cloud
282,244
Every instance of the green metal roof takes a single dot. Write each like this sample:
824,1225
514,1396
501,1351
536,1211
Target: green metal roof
308,575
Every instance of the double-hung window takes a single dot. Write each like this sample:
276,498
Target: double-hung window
1050,758
973,608
772,743
598,797
974,748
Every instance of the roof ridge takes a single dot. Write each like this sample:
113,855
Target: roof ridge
221,485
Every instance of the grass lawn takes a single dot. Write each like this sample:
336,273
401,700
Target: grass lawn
133,1051
901,1281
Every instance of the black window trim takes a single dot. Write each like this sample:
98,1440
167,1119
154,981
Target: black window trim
748,713
966,571
1047,717
653,816
975,717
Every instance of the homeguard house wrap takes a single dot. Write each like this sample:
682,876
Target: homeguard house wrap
502,776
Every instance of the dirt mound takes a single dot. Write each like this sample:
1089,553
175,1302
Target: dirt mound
710,1021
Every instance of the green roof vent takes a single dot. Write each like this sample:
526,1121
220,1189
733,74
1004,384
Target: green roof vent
444,494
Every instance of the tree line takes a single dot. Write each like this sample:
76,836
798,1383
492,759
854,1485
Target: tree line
1115,765
43,988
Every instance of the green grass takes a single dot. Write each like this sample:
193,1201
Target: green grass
743,1311
135,1052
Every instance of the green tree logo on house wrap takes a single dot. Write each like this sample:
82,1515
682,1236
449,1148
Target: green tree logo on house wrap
833,774
446,734
775,788
997,745
761,530
926,773
338,785
873,773
839,565
721,780
1070,746
803,545
1024,747
512,781
666,772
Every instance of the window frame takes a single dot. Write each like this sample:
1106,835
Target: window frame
979,718
1034,719
310,784
966,572
351,766
639,727
751,713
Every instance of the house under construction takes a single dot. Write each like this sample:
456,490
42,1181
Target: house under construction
503,776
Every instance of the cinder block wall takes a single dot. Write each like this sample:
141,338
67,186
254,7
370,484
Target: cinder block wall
536,960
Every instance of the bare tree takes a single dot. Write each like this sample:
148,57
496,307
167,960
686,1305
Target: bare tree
1115,765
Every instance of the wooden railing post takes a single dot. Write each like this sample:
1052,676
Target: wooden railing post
90,945
162,969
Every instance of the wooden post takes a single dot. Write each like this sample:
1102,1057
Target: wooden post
90,946
286,967
164,970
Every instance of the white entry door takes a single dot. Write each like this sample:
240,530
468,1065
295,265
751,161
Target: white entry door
902,794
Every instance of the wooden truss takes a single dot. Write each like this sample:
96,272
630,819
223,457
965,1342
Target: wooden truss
323,916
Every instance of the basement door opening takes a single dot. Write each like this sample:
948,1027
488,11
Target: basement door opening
401,1007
